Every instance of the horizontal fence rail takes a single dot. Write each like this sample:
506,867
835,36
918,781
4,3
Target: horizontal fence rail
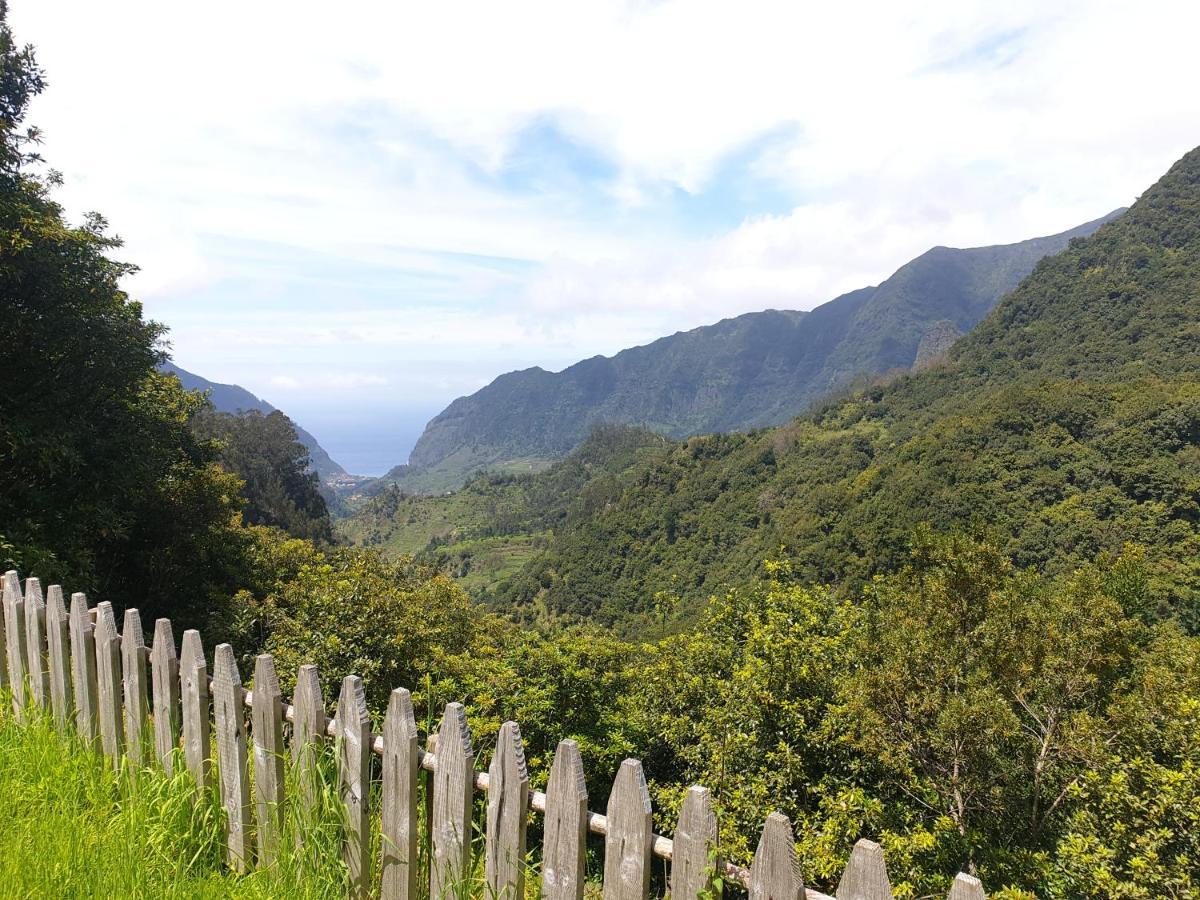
143,703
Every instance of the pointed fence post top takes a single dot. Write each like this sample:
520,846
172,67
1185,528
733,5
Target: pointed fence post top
697,808
966,887
308,722
630,786
508,761
131,631
12,584
866,875
307,696
33,595
454,737
353,720
191,653
79,610
266,681
163,650
106,623
54,603
775,873
400,722
308,682
225,667
566,772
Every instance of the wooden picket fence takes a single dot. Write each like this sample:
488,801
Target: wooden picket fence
114,690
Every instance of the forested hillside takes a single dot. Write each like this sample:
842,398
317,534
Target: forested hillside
486,531
1065,425
233,398
756,370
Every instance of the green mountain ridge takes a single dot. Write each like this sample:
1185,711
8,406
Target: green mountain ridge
1066,424
233,398
752,371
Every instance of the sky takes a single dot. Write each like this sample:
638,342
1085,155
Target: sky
360,211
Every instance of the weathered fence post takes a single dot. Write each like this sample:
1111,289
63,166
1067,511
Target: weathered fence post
399,820
507,816
14,641
453,787
866,875
58,645
4,594
164,668
267,733
83,669
775,873
108,676
194,704
137,694
427,777
35,643
228,699
564,846
966,887
308,734
630,835
693,862
354,778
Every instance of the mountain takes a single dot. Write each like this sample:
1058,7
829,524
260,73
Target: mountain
752,371
1066,424
232,398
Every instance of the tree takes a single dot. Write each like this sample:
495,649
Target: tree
21,79
264,452
353,613
102,484
740,703
989,698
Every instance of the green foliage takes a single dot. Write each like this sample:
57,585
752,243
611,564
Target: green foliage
21,79
564,684
1067,424
484,533
399,624
352,613
101,479
738,705
967,713
264,452
1134,829
72,827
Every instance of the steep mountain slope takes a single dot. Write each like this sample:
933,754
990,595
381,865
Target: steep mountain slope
752,371
1066,424
233,398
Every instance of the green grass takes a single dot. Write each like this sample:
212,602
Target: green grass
72,826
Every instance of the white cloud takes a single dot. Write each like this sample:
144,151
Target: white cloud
357,380
373,137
